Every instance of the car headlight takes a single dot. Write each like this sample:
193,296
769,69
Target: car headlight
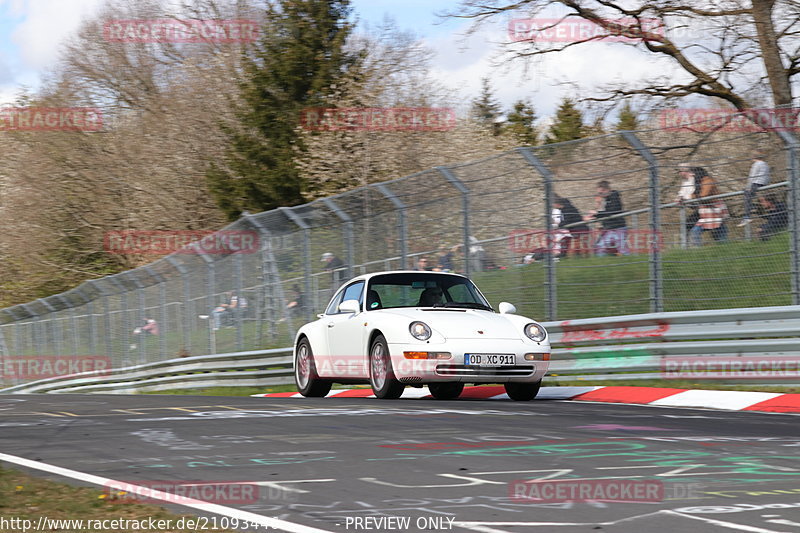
420,331
535,332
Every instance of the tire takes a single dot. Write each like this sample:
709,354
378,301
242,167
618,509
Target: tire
523,392
446,391
381,374
306,378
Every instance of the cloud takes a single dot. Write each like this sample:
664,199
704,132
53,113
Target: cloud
462,61
45,25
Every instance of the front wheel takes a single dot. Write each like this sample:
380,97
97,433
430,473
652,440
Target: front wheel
306,378
381,373
523,392
446,391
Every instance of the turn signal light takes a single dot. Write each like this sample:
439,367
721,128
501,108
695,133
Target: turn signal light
427,355
537,356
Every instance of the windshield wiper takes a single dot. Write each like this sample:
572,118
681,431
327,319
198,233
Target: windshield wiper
468,305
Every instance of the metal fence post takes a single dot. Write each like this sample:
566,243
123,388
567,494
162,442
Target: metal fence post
464,190
791,143
348,234
682,229
272,291
92,322
656,272
106,316
188,317
212,304
162,304
238,313
56,333
551,309
73,323
300,223
401,222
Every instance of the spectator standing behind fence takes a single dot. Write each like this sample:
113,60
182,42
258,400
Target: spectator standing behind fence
758,177
150,327
572,221
712,212
445,259
688,192
296,305
615,231
335,266
776,215
423,264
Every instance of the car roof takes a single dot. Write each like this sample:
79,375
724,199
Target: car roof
373,274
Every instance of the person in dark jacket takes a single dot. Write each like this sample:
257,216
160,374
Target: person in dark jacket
615,231
572,221
776,215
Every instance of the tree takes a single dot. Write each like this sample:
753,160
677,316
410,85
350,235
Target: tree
735,38
520,123
300,57
568,124
627,119
485,109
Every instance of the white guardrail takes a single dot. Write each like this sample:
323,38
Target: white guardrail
595,349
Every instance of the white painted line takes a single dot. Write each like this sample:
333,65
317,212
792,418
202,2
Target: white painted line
246,516
729,525
715,399
413,392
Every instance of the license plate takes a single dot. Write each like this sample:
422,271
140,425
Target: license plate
488,359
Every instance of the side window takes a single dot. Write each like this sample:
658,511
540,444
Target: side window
353,292
333,307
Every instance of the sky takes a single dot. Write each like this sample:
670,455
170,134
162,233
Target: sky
31,32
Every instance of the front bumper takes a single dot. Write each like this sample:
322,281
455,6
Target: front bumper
455,369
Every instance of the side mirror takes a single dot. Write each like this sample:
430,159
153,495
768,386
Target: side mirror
350,306
506,308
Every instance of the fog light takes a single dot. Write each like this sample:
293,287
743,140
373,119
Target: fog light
537,356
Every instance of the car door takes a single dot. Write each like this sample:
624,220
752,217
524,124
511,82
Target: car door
345,336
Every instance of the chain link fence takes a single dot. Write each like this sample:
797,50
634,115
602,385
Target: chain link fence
490,219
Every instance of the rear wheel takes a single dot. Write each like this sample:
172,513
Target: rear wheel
381,373
523,392
306,378
446,391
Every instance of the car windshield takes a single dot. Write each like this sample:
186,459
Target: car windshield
423,290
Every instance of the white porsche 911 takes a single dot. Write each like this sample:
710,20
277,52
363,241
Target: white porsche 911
393,329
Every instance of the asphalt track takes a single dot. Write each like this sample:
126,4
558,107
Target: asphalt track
349,464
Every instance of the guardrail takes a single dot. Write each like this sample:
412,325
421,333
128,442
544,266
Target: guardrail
242,369
596,349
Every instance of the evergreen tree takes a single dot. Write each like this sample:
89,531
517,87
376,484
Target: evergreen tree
299,57
485,109
568,124
627,119
520,123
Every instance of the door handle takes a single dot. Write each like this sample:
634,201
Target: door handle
331,324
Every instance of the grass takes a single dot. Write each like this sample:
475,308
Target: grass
26,497
716,276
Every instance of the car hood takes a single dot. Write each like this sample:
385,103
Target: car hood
460,324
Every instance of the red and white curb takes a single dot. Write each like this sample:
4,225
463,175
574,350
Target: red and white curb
769,402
